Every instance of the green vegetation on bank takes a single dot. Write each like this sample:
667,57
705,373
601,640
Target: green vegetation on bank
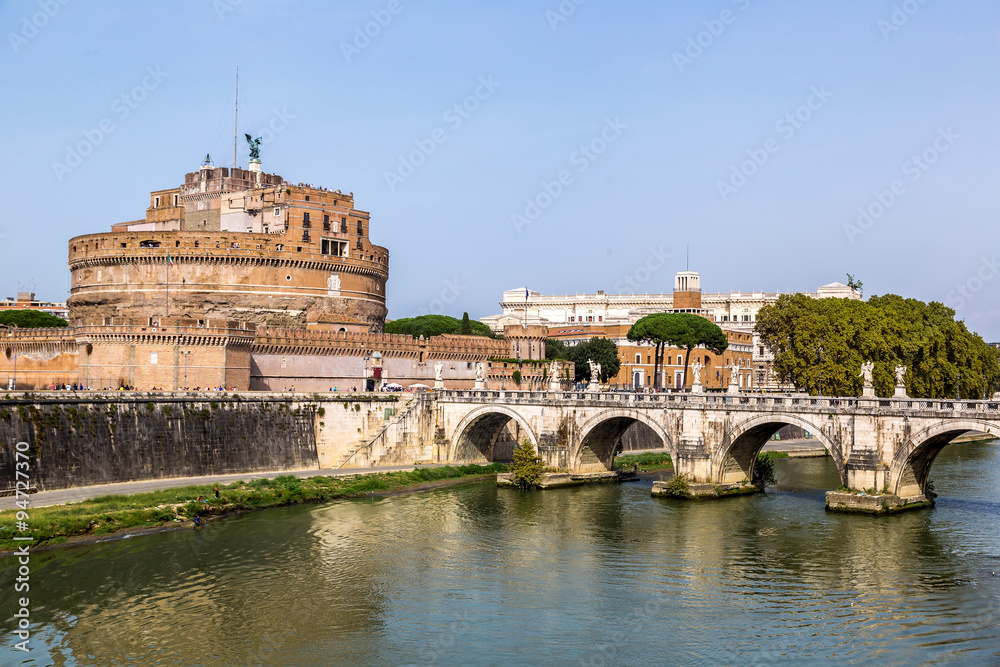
31,319
107,514
437,325
647,461
826,340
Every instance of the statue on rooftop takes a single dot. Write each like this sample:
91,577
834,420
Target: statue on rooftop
254,147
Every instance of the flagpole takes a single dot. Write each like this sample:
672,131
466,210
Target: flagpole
168,283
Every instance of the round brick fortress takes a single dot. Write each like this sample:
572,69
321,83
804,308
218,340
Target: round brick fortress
267,279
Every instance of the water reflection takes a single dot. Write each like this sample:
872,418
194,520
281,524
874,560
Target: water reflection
599,574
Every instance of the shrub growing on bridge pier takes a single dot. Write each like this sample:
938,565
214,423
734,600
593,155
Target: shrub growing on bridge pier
527,466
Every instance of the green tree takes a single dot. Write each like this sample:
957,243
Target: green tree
527,466
466,329
600,350
829,339
31,319
684,330
555,349
516,377
434,325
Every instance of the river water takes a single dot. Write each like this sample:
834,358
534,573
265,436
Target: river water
596,575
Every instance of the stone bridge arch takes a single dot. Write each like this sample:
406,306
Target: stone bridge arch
912,463
477,434
737,456
600,435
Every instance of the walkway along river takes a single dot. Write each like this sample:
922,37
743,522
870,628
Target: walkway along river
592,575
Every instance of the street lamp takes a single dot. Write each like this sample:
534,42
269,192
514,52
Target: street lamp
958,394
819,362
185,353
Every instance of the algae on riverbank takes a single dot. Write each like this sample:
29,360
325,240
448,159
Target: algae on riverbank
106,514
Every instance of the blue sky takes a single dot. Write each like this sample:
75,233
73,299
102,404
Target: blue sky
754,132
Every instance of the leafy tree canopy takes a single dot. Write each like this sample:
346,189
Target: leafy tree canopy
555,349
684,330
435,325
31,319
829,339
600,350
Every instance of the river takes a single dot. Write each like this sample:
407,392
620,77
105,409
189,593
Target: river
596,575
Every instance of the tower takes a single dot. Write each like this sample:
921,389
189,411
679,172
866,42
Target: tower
687,291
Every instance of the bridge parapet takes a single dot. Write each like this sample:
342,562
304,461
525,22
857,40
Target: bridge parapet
729,402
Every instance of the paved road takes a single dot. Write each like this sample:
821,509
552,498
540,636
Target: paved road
62,496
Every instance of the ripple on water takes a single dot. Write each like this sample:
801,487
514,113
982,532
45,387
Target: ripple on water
479,574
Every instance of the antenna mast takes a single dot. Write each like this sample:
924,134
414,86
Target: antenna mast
236,117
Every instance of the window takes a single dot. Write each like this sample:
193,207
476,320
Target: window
307,197
152,358
333,247
649,359
201,323
590,318
359,246
680,361
600,318
175,199
343,225
638,358
177,244
326,223
277,212
572,319
305,236
156,202
305,220
361,228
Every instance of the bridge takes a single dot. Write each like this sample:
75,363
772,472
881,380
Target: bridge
885,444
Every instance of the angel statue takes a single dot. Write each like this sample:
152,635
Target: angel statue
867,369
480,371
254,147
595,371
696,372
900,372
438,371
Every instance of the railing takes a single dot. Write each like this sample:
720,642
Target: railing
727,401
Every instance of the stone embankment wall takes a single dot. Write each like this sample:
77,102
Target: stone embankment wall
103,438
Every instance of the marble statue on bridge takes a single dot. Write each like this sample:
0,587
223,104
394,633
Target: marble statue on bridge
696,376
900,383
480,375
439,375
867,371
555,372
595,375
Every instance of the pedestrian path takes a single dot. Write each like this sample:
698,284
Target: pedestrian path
63,496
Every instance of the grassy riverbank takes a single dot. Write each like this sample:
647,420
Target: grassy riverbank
109,514
647,462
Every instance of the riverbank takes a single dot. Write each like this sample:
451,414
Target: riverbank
108,516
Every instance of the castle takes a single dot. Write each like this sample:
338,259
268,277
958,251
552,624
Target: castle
240,279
